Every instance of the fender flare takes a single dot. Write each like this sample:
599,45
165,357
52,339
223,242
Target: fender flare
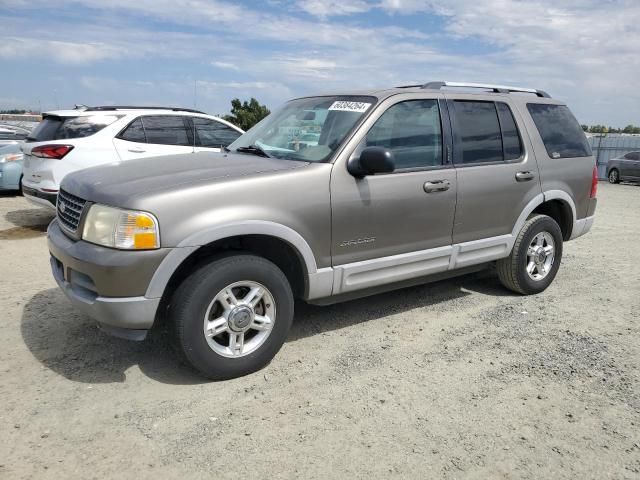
192,243
539,200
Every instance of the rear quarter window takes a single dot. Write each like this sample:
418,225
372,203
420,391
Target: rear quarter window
134,132
560,131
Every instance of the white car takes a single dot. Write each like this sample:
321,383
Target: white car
70,140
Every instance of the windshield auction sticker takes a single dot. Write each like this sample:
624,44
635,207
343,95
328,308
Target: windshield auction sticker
346,106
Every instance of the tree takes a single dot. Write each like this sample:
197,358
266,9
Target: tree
246,115
605,130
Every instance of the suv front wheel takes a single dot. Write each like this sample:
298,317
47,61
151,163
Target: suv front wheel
535,258
232,315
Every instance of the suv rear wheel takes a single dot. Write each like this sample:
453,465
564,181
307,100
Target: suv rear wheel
232,315
535,258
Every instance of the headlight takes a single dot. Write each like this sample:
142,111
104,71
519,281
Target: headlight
124,229
11,157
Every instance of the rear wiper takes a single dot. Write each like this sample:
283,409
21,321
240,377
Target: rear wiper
256,150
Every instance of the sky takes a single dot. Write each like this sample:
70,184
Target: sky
54,54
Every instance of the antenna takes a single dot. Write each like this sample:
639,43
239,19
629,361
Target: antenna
195,93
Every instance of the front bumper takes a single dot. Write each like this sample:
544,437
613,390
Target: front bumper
108,285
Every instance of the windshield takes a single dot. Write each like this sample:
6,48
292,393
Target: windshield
308,129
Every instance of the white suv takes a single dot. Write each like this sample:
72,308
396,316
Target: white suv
70,140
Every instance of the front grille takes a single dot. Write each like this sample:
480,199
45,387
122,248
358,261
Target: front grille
70,210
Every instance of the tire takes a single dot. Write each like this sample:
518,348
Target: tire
218,357
513,270
614,176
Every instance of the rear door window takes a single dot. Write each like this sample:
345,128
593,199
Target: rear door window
511,143
167,130
59,128
477,129
211,133
560,131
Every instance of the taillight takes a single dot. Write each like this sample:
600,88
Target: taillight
594,183
51,151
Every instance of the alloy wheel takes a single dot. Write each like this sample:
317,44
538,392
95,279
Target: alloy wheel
239,319
540,256
613,176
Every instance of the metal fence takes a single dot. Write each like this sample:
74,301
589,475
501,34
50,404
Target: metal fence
612,146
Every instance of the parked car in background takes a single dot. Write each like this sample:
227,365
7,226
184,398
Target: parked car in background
11,134
403,186
10,166
624,168
70,140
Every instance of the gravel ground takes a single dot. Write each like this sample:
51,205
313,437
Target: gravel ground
459,379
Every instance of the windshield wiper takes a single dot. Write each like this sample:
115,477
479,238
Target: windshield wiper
254,149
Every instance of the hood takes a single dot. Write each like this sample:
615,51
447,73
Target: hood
116,182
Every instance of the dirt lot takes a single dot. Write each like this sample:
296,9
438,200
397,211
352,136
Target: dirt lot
459,379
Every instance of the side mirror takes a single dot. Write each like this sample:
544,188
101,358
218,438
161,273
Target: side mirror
372,160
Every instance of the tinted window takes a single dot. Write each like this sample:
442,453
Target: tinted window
134,132
58,128
411,130
166,130
632,156
46,129
562,135
510,138
478,132
210,133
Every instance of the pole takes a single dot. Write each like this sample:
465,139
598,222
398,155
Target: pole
602,134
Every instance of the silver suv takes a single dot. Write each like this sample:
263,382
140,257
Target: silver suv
329,198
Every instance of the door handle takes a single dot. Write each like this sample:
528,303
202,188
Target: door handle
137,150
437,186
524,176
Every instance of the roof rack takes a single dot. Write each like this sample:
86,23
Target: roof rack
484,86
103,108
